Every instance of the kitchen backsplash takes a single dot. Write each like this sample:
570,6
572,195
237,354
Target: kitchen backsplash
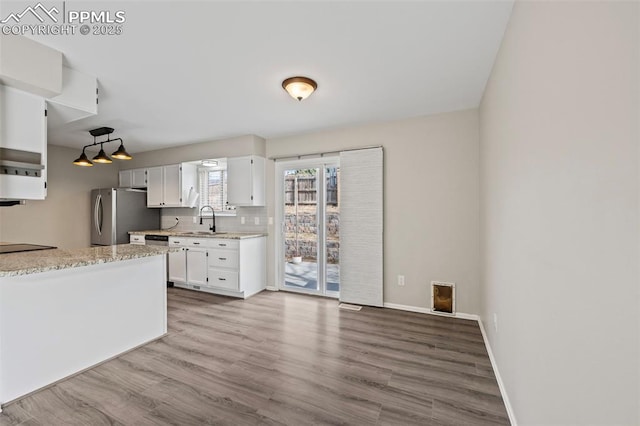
223,223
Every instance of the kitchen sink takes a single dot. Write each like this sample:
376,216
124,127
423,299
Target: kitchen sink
204,233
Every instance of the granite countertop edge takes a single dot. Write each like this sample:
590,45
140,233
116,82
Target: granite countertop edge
187,234
34,262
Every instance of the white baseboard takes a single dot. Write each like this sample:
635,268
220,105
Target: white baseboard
272,288
474,317
421,310
503,390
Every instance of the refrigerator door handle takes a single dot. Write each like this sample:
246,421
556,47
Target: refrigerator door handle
97,214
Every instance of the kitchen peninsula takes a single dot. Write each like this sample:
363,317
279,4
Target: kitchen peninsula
62,311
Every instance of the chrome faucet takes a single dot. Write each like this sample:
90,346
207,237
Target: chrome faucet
212,228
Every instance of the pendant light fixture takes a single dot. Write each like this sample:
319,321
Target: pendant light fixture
299,87
121,153
83,160
102,157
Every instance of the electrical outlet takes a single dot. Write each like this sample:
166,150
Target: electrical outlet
495,322
242,220
400,280
256,220
270,221
195,219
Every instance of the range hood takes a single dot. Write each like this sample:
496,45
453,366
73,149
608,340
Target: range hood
9,203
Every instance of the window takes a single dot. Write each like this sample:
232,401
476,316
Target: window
213,190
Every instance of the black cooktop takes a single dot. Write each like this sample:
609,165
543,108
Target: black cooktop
16,248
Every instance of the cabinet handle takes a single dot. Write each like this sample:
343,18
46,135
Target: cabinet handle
222,245
222,279
176,242
222,258
196,244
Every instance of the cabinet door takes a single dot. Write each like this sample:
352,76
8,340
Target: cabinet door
139,178
154,187
22,121
239,181
258,181
178,266
172,186
124,179
197,266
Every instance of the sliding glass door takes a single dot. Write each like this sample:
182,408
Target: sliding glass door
309,215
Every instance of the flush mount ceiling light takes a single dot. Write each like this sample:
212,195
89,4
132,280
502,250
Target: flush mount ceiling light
299,87
102,157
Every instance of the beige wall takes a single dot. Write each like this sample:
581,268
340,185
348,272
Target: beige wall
63,219
559,212
430,201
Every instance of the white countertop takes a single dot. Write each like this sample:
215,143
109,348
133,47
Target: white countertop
224,235
32,262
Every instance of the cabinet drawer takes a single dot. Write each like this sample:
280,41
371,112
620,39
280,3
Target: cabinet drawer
223,279
196,243
224,244
223,258
177,242
136,239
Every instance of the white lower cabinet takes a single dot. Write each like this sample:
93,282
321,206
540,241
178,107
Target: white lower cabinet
197,266
177,262
223,266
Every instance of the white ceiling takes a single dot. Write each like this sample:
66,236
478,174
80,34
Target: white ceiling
185,72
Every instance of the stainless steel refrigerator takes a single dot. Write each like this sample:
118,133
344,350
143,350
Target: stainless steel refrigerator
116,211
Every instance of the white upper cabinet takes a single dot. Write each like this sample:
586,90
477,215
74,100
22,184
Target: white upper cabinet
23,145
155,186
134,178
246,181
168,186
124,179
139,178
172,190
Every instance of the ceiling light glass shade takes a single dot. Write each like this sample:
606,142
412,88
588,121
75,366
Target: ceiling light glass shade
121,153
83,161
299,87
102,157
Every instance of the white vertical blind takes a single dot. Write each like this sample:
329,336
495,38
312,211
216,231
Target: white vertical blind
361,194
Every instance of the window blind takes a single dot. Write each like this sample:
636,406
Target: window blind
213,188
361,226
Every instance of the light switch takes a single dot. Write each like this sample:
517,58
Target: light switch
242,220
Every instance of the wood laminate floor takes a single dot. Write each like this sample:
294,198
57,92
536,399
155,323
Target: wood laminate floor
281,358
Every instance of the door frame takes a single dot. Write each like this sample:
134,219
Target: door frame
317,162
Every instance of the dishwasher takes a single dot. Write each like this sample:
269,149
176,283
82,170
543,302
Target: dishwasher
159,240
